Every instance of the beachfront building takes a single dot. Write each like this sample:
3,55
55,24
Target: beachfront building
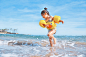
5,31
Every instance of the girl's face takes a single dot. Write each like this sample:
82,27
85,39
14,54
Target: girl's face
45,15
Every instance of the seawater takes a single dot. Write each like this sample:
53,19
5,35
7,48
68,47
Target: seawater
20,45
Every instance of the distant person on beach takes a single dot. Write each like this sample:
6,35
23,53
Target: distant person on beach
45,14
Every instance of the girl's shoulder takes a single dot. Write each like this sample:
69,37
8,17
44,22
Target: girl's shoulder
52,17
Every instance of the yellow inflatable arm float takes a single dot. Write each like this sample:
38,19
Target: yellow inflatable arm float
56,19
42,22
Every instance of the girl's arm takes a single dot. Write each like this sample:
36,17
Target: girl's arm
61,21
45,25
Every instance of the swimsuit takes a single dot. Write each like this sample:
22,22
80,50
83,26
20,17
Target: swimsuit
50,20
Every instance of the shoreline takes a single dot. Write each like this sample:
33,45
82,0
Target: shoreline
8,33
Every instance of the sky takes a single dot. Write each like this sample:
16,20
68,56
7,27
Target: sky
24,15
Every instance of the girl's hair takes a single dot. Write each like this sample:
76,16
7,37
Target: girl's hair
45,11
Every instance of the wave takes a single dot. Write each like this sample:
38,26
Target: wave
33,48
22,42
59,44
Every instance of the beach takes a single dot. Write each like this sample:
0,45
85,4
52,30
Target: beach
20,45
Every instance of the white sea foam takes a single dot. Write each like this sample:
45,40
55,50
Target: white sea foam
66,55
9,55
3,42
44,40
53,56
60,55
80,55
63,44
71,44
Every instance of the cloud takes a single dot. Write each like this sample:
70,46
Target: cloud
33,16
68,7
27,10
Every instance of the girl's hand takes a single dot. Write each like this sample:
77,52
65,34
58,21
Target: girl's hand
61,21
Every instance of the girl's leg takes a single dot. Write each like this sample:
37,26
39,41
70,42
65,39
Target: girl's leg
51,43
50,35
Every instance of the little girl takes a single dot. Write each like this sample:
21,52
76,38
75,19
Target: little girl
45,14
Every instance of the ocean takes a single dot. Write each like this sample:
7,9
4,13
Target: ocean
20,45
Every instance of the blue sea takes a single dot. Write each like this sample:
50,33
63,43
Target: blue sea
21,45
